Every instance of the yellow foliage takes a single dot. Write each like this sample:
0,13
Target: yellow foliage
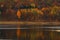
33,4
54,10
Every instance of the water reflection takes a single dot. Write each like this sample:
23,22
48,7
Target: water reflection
28,32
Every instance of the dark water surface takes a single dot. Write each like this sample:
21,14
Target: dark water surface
29,32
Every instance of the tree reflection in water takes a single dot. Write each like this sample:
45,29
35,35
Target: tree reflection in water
28,34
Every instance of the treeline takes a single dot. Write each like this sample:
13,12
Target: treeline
30,10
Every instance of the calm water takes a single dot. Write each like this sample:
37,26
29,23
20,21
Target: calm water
29,32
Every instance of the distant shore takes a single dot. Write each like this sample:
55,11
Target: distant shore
30,23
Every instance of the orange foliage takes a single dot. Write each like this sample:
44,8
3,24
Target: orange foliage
18,13
44,9
31,0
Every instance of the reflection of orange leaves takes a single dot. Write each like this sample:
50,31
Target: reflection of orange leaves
18,32
18,13
40,34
